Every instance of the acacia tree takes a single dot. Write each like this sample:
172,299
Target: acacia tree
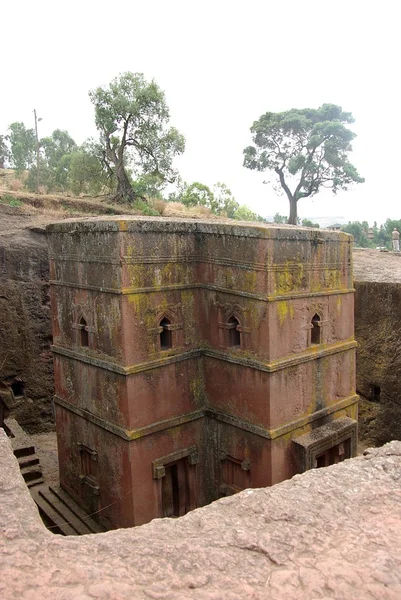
132,118
307,149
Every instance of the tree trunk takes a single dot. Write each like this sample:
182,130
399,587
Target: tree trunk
125,193
293,218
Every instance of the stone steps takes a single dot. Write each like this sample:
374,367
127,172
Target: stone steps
32,474
25,453
62,514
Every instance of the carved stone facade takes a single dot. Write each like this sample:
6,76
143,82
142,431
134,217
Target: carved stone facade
192,358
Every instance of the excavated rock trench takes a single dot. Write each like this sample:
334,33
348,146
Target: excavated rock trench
26,368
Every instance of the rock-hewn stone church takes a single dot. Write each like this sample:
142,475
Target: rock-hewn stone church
194,359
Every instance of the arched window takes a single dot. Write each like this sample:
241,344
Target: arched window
166,341
315,337
84,332
234,336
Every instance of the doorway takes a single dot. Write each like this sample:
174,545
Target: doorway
175,489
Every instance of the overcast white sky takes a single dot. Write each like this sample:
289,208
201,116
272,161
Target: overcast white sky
222,64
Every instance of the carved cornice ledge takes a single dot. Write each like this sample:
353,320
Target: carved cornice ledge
269,434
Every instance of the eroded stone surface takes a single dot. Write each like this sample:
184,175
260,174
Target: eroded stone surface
329,533
378,331
25,327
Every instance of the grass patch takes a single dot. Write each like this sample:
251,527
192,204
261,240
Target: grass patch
10,200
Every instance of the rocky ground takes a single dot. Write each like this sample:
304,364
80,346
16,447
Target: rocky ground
373,265
331,533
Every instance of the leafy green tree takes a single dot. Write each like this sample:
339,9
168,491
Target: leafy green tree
244,213
84,172
280,218
22,146
359,231
307,149
132,118
198,194
46,177
4,153
148,186
381,237
53,160
308,223
56,146
385,233
224,202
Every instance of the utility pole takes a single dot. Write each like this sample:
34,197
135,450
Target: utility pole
37,151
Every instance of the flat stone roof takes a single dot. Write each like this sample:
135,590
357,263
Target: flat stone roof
373,265
140,224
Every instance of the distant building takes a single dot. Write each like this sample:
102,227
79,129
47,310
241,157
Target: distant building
335,227
194,359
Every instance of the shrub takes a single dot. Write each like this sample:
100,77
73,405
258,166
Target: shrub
15,185
144,208
159,205
10,200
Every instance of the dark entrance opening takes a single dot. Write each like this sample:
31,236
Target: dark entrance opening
234,336
165,335
375,393
175,492
18,389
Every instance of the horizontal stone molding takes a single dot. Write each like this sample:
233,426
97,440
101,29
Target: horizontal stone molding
266,267
269,434
272,434
131,291
119,369
129,434
311,353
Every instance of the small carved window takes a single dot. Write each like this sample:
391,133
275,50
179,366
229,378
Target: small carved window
18,388
316,330
166,341
234,335
89,463
84,333
375,393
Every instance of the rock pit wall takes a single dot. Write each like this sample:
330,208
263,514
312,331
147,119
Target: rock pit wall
378,332
26,365
329,533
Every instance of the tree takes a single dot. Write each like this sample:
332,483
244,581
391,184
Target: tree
83,172
198,194
360,232
308,223
307,149
22,146
3,151
132,118
279,218
56,146
148,186
220,201
225,203
244,213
